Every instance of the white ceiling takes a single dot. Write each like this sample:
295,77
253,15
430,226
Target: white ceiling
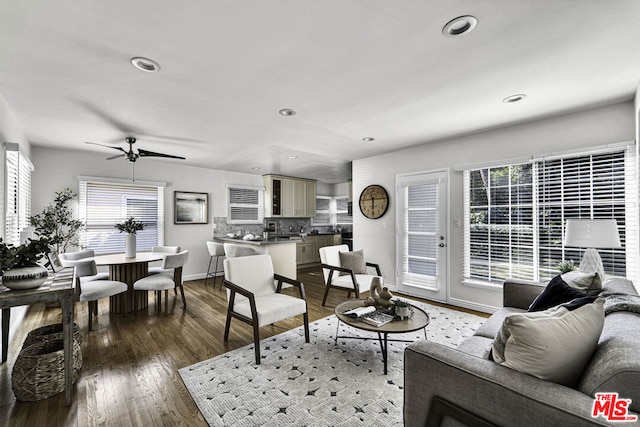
350,68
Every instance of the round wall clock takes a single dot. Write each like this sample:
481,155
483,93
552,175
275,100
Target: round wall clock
374,201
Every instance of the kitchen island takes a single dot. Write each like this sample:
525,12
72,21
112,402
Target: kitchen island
281,249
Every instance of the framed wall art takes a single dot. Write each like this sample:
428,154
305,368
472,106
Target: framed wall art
191,208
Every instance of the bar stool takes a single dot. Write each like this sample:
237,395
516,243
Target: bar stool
215,250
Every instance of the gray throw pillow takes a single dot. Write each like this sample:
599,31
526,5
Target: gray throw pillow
353,261
555,344
586,282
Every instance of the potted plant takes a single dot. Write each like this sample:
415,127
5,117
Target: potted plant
18,264
566,266
131,227
403,309
57,224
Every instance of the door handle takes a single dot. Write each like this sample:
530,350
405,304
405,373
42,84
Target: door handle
441,245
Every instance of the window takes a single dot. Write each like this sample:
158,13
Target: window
323,211
343,216
18,192
245,204
103,204
332,210
516,214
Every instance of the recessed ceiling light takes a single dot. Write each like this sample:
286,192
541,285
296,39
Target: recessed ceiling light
459,26
145,64
287,112
514,98
368,139
292,157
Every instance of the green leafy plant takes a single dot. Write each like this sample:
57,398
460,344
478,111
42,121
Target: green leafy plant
566,266
25,255
130,226
56,222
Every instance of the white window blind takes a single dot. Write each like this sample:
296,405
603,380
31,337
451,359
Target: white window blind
515,215
591,187
342,210
323,211
245,204
421,214
103,204
332,210
499,218
18,192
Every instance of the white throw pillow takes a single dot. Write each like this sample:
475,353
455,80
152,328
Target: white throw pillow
586,282
553,344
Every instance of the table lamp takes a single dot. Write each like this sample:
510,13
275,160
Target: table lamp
591,234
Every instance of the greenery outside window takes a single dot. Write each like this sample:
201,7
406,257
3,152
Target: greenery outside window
515,215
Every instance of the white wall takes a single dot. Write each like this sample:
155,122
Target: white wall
10,131
594,127
56,169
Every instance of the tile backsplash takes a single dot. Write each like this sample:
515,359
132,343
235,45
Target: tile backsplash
284,225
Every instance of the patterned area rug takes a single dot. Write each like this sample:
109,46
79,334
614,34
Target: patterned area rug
315,384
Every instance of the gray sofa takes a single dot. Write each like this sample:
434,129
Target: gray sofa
462,386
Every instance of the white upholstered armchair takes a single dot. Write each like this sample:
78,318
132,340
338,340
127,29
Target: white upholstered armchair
347,272
254,297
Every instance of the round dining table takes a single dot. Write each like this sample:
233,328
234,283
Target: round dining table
128,270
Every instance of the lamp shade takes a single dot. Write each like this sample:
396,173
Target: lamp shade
592,233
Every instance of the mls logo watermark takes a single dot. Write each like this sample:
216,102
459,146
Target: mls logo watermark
612,408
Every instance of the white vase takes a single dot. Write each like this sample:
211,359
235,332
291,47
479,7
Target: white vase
130,246
28,277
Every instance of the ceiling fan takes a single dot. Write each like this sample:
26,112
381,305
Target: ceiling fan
131,155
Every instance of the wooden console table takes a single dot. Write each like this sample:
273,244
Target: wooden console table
58,288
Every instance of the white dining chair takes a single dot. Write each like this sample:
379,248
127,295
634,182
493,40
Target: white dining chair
162,250
93,290
70,259
164,281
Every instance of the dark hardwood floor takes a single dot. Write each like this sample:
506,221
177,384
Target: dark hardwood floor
130,366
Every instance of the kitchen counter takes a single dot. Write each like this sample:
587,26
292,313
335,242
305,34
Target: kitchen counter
260,242
282,251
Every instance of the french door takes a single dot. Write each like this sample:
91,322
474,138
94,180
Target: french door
421,245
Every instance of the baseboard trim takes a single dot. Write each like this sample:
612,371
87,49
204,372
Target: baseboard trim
472,305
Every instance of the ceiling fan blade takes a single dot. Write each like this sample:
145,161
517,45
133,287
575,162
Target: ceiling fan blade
108,146
117,156
145,153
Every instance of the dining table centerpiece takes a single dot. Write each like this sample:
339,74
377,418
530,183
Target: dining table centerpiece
19,264
131,227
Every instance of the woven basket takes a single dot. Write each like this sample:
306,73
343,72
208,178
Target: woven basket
50,332
39,370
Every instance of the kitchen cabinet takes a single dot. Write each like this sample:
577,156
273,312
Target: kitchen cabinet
289,197
305,252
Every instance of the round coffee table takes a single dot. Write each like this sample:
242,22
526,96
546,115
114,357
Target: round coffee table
419,320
